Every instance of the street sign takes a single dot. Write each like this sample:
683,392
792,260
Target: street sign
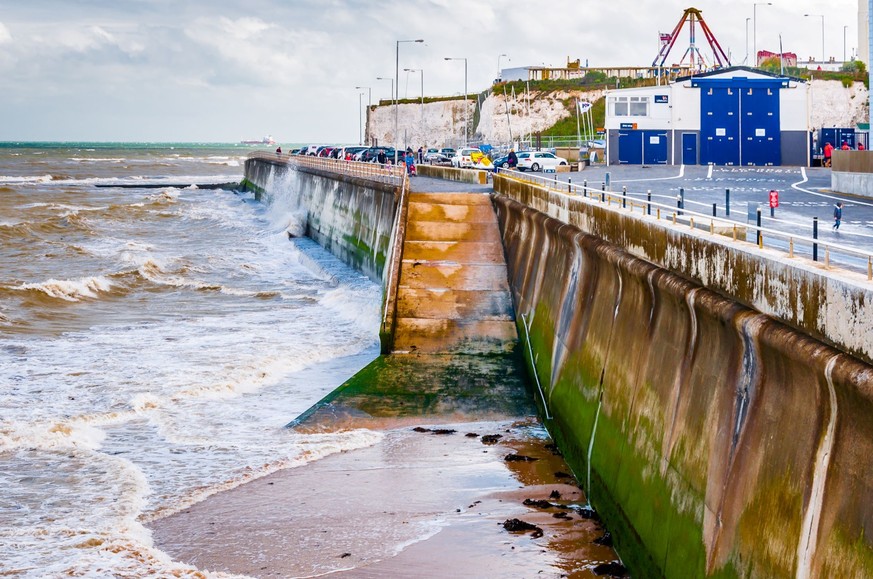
631,126
662,98
774,199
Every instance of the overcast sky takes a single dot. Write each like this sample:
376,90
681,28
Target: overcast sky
220,70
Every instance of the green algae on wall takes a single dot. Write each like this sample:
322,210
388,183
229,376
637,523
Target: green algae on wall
723,442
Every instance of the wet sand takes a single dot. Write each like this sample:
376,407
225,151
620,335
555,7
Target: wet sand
417,504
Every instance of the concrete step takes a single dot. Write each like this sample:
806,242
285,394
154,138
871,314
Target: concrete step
462,252
440,276
454,336
440,231
454,304
451,198
451,213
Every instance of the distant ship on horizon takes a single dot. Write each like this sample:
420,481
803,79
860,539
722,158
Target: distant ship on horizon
268,140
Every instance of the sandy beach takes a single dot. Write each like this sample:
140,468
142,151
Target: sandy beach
417,504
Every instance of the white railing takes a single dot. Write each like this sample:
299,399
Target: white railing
820,251
372,171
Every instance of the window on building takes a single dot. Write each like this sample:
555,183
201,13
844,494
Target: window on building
635,106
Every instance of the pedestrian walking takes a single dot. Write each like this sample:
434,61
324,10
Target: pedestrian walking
420,155
512,159
838,214
828,151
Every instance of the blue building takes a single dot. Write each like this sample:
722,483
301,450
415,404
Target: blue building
737,116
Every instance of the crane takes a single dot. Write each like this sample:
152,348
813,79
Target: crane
693,17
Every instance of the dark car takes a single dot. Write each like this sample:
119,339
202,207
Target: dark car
439,159
500,162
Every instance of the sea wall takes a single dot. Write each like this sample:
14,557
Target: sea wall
349,216
832,306
720,441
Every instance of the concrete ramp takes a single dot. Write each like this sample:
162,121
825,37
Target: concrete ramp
453,295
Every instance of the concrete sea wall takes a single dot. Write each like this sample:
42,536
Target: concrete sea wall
349,216
720,441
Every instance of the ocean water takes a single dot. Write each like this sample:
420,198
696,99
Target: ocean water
153,344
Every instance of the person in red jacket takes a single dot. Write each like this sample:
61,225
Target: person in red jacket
845,146
828,151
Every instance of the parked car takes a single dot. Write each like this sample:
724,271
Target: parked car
501,161
448,152
439,159
464,158
537,160
431,153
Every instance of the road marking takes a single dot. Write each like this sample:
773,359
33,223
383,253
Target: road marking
679,176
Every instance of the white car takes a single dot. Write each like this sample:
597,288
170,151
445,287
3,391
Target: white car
464,158
538,160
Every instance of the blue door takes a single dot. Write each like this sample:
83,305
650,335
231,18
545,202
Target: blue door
719,125
630,147
689,149
654,147
761,143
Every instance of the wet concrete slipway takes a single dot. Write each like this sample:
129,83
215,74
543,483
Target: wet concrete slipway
464,480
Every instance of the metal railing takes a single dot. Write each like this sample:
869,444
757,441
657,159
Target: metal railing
394,175
821,252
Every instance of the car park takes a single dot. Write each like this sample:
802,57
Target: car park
538,160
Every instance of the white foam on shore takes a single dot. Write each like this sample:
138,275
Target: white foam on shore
71,290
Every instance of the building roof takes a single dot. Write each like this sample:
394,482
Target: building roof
731,69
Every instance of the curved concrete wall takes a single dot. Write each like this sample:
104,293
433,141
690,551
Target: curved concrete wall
831,306
721,441
350,217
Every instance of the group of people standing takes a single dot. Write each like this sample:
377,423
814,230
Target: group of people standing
828,151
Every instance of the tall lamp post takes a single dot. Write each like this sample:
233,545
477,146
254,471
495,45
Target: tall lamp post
421,70
822,35
746,61
499,70
755,28
369,102
466,108
360,118
389,79
845,28
396,90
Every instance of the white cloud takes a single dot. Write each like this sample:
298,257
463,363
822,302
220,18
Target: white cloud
5,35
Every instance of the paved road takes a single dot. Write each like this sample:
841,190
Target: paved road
419,184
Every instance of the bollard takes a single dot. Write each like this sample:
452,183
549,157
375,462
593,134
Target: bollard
607,179
603,192
649,202
680,200
727,202
815,236
758,223
772,212
714,210
624,197
790,247
569,184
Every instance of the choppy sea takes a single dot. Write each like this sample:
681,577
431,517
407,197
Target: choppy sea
153,344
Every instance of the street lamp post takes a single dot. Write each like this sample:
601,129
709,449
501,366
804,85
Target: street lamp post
499,76
389,79
369,104
822,35
360,120
466,108
421,70
845,28
755,28
396,90
746,61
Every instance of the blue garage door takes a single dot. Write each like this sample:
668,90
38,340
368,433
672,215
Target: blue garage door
654,147
719,125
760,126
630,147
